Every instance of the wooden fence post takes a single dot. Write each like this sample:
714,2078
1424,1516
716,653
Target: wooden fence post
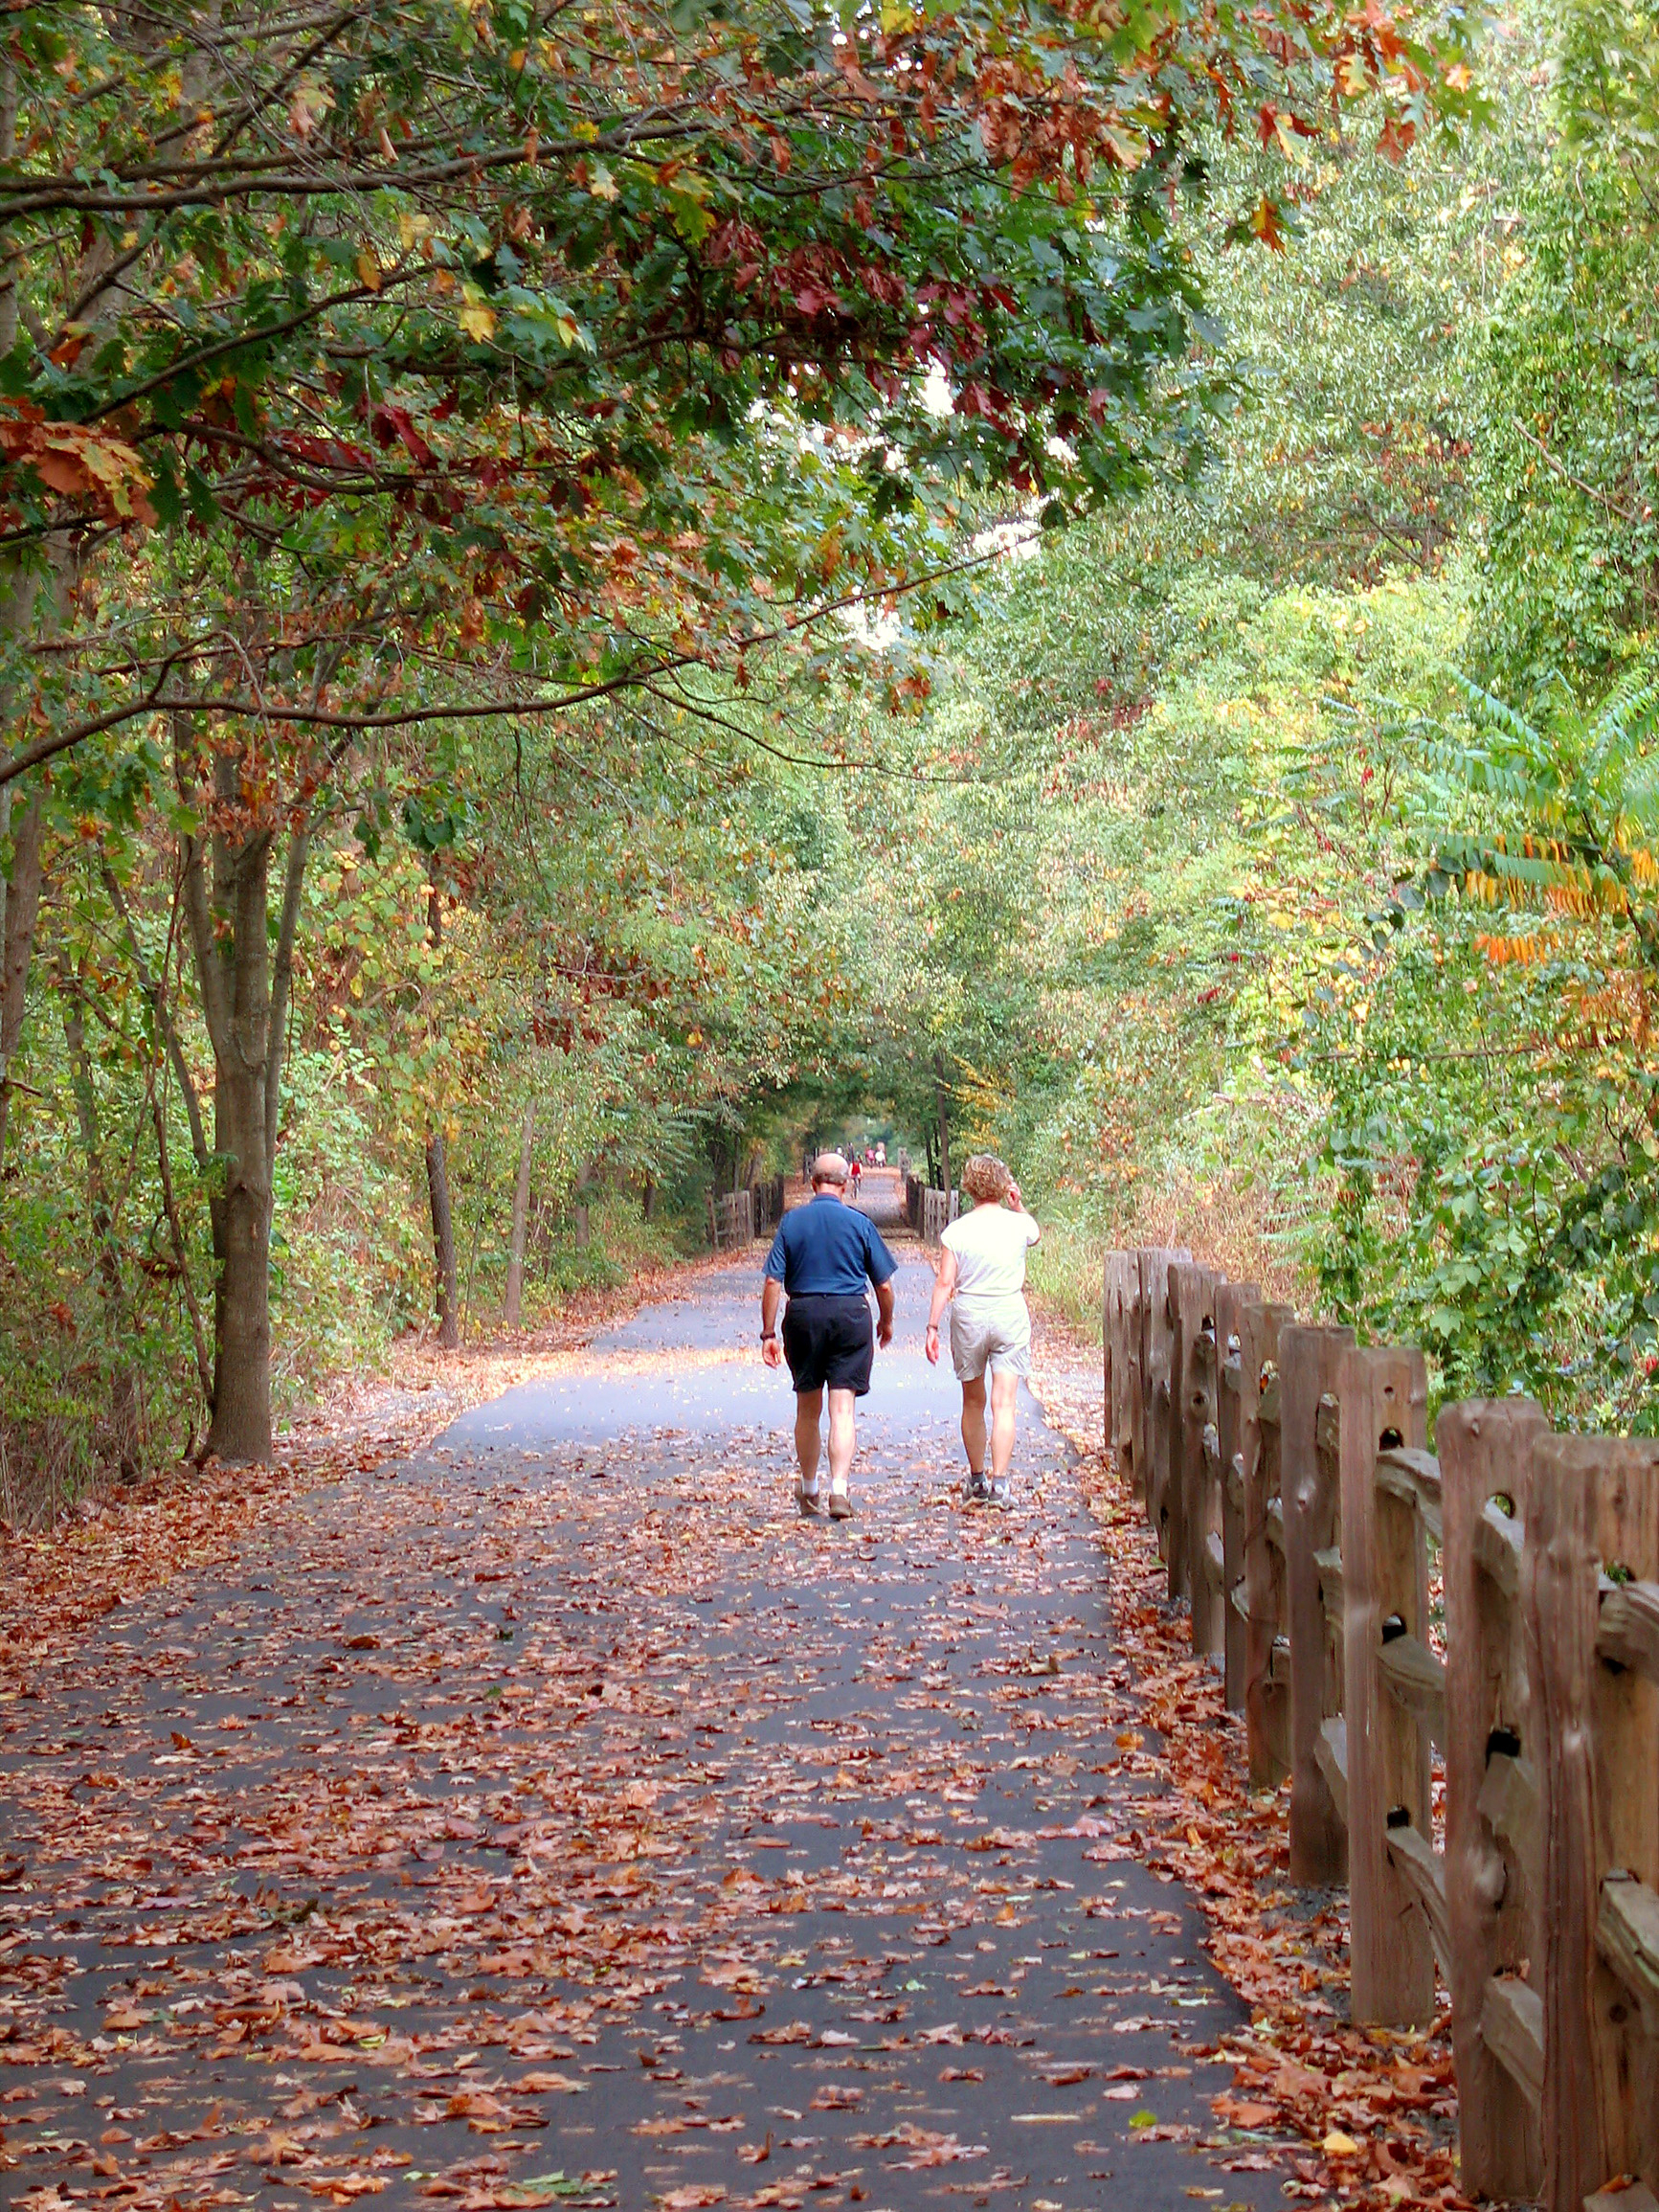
1161,1505
1231,1300
1485,1447
1194,1518
1150,1353
1310,1487
1258,1471
1134,1370
1385,1585
1113,1346
1590,1590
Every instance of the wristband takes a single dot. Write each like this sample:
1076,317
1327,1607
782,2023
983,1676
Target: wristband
768,1336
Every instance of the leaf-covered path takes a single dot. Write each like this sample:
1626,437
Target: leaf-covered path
556,1818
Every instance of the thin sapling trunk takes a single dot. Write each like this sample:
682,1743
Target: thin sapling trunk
521,1219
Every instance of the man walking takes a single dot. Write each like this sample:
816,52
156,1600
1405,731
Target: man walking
824,1257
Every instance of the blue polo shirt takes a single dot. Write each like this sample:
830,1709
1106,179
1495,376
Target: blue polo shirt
827,1250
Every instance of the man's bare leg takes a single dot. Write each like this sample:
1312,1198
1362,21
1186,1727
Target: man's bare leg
1004,1393
808,1411
974,1424
843,1437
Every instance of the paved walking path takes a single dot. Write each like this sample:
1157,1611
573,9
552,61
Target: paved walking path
558,1820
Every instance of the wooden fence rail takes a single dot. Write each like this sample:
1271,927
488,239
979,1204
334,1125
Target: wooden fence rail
938,1209
731,1219
1284,1472
768,1200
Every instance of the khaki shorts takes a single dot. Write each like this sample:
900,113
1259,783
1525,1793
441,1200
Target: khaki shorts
995,1337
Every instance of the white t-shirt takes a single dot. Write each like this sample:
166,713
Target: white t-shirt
990,1245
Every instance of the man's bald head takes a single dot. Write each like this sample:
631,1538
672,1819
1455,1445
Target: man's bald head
829,1171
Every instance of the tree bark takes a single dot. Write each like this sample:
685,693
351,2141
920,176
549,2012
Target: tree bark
244,993
233,973
942,1106
442,1242
19,913
647,1200
446,1298
521,1217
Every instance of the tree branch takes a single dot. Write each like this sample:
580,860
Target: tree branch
637,678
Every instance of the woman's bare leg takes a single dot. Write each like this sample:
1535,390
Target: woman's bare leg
1004,1392
974,1424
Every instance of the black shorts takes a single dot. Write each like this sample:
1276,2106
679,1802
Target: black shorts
829,1341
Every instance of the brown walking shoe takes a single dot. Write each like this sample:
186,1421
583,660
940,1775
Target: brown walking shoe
840,1505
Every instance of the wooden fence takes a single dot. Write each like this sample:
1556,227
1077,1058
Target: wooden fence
938,1209
1284,1471
768,1198
731,1219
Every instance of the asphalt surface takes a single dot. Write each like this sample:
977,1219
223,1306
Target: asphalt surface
559,1819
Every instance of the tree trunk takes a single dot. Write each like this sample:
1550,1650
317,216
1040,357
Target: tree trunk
942,1102
233,970
241,1219
442,1242
244,989
520,1216
19,912
647,1200
446,1297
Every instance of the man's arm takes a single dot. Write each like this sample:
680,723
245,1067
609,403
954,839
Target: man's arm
884,1313
771,1294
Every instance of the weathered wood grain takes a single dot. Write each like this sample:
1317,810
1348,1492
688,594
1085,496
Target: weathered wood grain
1313,1514
1193,1511
1593,1506
1260,1541
1511,2026
1232,1298
1485,1453
1385,1576
1627,1630
1423,1870
1627,1937
1330,1750
1157,1335
1414,1678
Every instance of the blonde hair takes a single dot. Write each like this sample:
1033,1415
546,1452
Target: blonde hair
985,1179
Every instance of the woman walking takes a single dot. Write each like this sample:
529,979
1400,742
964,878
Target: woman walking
982,1280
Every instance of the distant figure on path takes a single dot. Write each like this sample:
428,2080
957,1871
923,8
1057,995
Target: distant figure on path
855,1175
823,1259
982,1280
